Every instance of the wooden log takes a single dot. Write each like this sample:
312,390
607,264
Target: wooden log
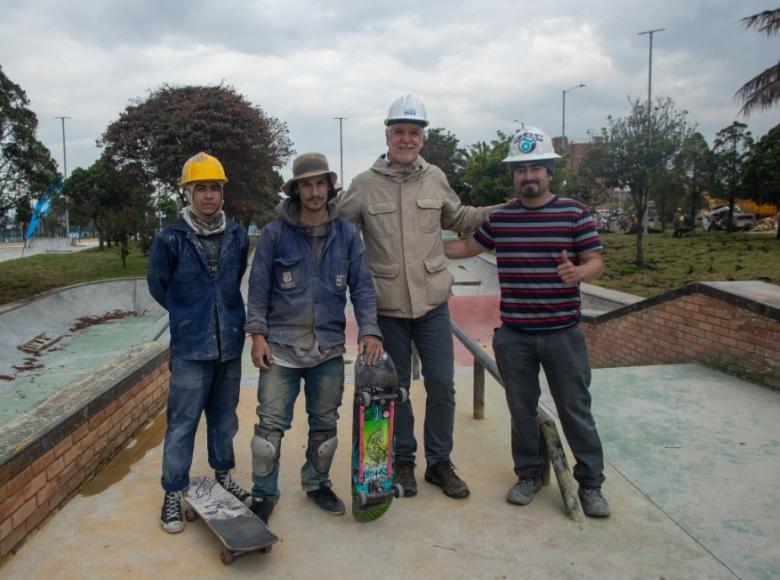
560,465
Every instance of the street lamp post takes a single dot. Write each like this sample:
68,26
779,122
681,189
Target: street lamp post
563,111
563,116
65,173
341,150
650,66
650,34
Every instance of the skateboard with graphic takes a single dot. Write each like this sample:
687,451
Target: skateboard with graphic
239,530
373,445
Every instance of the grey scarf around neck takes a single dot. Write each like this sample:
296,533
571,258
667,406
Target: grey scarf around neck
204,225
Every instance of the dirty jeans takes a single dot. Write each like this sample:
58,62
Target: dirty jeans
198,386
432,335
564,358
277,390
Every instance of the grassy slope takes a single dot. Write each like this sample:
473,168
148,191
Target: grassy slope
23,278
675,262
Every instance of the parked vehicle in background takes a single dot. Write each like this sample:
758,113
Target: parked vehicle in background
716,219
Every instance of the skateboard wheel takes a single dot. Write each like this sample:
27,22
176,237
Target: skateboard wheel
190,515
362,498
403,395
398,490
265,549
226,556
364,399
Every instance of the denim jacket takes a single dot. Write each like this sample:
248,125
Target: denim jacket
179,280
283,282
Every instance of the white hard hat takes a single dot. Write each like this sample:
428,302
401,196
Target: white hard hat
407,109
530,144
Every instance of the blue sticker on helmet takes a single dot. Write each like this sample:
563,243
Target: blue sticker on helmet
527,143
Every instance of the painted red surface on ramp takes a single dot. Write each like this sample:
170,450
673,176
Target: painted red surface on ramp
477,315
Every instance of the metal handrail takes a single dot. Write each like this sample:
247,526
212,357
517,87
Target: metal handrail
550,442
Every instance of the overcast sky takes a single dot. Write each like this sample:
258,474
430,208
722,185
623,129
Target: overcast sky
478,65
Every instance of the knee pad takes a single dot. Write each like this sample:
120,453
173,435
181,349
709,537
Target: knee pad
266,448
322,448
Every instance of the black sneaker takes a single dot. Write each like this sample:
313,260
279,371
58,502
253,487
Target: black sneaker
594,504
170,516
327,500
404,475
223,478
443,475
262,507
522,493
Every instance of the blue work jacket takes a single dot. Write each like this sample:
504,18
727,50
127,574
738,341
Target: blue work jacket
283,282
179,280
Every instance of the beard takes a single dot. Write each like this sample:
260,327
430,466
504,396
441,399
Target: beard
530,188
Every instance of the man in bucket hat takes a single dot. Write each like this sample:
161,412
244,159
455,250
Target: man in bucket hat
305,260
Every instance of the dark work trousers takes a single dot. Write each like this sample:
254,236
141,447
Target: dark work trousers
564,358
432,335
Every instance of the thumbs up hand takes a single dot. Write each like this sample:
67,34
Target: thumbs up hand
568,272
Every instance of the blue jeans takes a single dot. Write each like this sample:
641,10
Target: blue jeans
198,386
277,390
432,335
564,358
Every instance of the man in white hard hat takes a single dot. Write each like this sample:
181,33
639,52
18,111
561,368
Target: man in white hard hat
401,205
545,246
306,260
195,270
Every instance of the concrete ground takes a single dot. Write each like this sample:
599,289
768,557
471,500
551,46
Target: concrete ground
689,479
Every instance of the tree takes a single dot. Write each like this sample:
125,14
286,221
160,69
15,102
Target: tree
588,183
696,164
116,199
762,170
174,123
441,149
732,146
485,176
641,149
26,166
763,90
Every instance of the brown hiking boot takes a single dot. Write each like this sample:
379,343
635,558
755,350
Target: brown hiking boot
443,475
404,475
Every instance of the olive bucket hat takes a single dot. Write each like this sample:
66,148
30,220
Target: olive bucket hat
310,165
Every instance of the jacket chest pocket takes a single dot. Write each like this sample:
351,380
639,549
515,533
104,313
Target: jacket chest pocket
382,219
288,272
429,215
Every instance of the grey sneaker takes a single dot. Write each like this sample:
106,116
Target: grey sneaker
404,474
224,479
522,493
170,515
443,474
594,504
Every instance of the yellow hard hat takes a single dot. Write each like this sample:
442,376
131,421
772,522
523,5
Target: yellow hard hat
202,167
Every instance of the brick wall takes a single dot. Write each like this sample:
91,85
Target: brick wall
696,323
44,472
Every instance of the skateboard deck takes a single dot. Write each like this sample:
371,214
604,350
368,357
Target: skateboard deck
373,444
239,530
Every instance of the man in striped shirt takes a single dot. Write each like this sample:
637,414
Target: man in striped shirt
545,246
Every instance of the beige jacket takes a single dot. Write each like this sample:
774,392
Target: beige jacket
401,212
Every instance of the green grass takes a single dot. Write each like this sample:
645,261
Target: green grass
26,277
675,262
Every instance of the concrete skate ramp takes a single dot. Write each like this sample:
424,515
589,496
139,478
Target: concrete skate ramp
31,377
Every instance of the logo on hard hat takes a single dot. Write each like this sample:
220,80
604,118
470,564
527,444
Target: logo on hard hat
410,112
527,143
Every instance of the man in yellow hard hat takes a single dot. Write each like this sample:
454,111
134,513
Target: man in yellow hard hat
195,270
